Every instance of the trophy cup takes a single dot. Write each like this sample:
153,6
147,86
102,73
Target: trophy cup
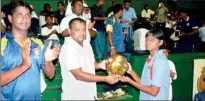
117,65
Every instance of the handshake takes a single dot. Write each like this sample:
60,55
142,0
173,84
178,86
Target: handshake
114,78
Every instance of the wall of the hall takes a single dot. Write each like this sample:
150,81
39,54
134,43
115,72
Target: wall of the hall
194,6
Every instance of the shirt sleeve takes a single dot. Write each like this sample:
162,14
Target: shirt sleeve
142,14
194,24
64,24
94,12
160,69
43,32
151,11
134,13
57,27
172,68
109,25
69,59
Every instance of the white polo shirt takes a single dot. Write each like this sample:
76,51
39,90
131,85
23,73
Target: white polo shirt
65,24
46,31
74,56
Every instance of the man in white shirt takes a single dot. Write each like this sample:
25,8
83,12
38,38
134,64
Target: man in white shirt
77,11
146,12
78,65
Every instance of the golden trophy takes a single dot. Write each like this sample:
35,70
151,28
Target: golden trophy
117,65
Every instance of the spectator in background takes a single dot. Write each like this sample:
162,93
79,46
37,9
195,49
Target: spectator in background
50,31
86,11
99,42
146,12
188,30
6,10
161,13
34,29
60,13
77,11
110,9
128,19
47,10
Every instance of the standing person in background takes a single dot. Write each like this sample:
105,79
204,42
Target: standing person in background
109,11
173,74
128,19
155,80
77,11
99,42
161,13
60,13
188,32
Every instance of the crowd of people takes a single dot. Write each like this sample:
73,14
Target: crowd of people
30,44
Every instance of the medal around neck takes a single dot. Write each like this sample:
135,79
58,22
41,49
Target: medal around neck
117,65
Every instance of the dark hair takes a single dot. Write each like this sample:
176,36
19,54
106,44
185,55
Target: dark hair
113,2
76,19
61,3
75,1
161,1
157,33
127,1
145,6
98,0
48,15
117,8
46,5
18,4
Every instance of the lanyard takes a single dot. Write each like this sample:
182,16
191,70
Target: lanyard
150,67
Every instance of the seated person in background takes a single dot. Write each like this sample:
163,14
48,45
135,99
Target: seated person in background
50,31
146,12
171,23
47,10
60,13
34,28
173,74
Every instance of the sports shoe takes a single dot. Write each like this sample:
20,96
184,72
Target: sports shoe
107,95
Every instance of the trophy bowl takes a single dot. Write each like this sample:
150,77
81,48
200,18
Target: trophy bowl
117,65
